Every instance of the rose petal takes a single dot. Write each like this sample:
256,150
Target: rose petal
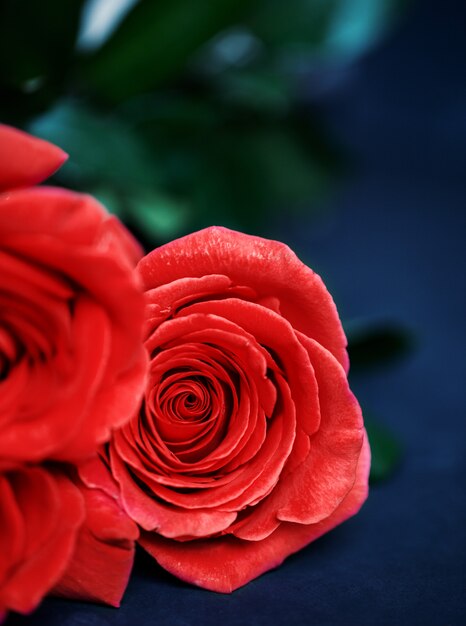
163,301
26,160
328,473
204,332
32,578
52,238
317,486
101,563
227,563
12,528
95,473
274,333
152,514
40,512
72,395
270,268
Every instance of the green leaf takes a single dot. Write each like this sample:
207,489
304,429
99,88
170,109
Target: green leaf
373,345
112,160
154,43
325,29
104,150
253,168
386,451
258,90
157,217
294,22
229,163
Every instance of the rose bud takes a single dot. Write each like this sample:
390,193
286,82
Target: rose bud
249,444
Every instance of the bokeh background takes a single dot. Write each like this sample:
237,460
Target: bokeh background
339,127
180,114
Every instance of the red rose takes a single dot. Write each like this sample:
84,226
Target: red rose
72,368
249,444
72,364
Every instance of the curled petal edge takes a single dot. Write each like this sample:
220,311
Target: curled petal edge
226,563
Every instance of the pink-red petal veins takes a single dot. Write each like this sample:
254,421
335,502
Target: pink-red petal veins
226,563
26,160
102,560
270,268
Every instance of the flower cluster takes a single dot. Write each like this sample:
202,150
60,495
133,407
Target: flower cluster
194,400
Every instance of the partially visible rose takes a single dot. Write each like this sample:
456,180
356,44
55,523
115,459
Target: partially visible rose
249,444
72,368
40,514
72,364
58,535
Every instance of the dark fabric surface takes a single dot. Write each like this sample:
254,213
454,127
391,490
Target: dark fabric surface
393,248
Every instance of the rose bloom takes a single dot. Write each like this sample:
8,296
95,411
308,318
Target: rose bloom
72,362
72,369
249,444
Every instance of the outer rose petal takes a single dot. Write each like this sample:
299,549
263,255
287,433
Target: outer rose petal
268,267
102,560
226,563
26,160
96,475
67,217
318,485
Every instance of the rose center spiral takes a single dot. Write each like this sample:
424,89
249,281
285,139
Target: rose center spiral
182,398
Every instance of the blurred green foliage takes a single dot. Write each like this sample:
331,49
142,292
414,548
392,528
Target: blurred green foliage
191,113
188,113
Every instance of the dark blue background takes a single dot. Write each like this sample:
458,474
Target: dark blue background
393,248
